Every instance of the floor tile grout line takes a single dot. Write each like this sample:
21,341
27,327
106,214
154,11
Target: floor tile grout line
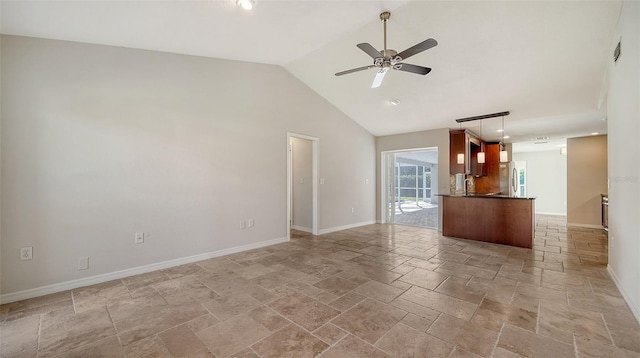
538,316
40,318
606,326
575,346
495,346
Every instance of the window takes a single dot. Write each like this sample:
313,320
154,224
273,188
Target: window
521,167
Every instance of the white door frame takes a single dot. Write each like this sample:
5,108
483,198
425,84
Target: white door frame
383,179
384,214
315,145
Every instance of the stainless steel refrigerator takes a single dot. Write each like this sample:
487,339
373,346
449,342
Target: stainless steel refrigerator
509,179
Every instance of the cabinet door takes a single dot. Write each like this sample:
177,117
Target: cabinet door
475,147
490,183
458,146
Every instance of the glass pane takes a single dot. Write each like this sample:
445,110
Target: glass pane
408,194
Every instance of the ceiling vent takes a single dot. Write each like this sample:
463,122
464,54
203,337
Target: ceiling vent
540,138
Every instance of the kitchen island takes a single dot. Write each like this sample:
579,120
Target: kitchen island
499,219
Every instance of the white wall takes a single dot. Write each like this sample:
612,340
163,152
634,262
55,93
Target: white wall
438,138
546,179
301,184
624,157
101,142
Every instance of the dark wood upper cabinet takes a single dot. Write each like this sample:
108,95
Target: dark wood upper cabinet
490,183
465,145
458,146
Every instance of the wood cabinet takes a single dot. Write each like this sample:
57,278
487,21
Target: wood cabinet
490,182
465,145
506,221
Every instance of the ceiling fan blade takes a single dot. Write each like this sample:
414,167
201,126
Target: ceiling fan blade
416,49
377,81
370,50
407,67
354,70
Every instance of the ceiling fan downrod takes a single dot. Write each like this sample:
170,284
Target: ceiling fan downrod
385,17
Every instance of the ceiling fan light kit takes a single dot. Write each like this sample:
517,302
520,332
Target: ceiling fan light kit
387,59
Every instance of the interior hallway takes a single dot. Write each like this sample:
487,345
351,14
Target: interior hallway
374,291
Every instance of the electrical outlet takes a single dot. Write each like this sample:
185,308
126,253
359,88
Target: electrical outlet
83,263
26,253
243,225
321,181
250,223
139,238
353,210
366,181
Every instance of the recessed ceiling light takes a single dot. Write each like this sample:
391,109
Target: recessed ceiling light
595,133
561,145
506,137
500,130
395,101
246,4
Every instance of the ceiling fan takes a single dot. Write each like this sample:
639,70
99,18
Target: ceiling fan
387,58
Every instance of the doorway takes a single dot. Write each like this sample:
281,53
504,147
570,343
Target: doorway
302,183
410,182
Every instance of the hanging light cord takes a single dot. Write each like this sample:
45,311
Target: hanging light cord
503,146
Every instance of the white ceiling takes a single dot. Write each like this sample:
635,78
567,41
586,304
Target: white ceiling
544,61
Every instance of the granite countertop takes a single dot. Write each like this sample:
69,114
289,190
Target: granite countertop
487,195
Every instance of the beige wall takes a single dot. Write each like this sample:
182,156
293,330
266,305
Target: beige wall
301,184
586,179
623,123
438,138
101,142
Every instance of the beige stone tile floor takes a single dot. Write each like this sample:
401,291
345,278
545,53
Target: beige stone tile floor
373,291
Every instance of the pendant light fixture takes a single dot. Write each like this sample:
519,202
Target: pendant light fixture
504,156
481,153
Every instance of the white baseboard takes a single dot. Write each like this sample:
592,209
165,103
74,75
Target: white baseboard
588,226
302,228
87,281
345,227
548,213
634,309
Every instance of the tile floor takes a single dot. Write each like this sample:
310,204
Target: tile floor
374,291
425,216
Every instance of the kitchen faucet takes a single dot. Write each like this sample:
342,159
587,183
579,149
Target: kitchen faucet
466,186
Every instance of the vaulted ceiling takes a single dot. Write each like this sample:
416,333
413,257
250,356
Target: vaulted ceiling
545,61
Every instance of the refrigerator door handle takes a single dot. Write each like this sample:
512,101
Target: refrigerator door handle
514,181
